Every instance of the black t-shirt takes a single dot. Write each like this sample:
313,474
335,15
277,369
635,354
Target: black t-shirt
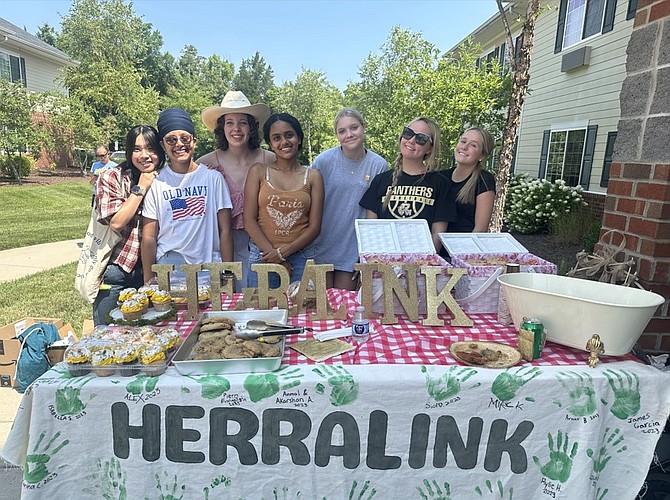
465,221
414,197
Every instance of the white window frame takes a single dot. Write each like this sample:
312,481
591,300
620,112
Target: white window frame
575,22
567,130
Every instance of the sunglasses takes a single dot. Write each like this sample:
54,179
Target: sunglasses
102,156
419,137
171,140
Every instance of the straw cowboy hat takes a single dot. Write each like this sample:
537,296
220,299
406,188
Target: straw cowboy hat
234,102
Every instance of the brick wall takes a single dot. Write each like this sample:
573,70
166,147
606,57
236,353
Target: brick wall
596,203
638,192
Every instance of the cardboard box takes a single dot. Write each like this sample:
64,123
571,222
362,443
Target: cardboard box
393,241
10,345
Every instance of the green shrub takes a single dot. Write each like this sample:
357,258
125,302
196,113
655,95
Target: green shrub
10,164
592,236
532,205
575,225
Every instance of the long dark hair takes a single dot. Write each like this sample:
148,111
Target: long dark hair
222,142
283,117
150,136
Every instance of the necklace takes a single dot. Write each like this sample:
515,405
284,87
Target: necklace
292,168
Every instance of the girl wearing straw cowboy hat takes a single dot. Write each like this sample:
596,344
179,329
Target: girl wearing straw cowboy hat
236,126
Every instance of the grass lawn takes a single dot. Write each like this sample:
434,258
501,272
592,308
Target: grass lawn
32,215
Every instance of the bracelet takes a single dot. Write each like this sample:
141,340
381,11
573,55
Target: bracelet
281,257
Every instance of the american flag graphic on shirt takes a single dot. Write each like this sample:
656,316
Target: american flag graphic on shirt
186,207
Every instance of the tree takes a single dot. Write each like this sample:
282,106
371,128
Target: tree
109,40
18,134
314,102
47,34
255,78
521,76
410,78
200,82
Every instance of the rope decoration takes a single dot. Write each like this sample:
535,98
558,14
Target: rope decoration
603,263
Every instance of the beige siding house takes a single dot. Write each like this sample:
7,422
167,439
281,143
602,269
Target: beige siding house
26,58
569,119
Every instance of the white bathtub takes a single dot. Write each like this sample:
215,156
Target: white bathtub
573,309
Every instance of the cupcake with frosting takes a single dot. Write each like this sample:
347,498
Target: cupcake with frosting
173,335
142,299
126,356
203,293
126,293
78,359
153,360
161,300
103,362
148,290
131,310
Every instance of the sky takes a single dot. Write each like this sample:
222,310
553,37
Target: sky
333,37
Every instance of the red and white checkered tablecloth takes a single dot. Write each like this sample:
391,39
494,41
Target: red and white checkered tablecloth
406,342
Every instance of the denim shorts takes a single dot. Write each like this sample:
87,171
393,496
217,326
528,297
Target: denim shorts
297,261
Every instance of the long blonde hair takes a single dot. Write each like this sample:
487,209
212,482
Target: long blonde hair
467,193
429,160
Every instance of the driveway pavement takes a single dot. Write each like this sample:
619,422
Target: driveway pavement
20,262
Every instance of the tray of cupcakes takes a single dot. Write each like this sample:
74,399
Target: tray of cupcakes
125,351
143,306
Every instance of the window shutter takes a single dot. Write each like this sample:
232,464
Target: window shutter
560,28
544,153
632,9
609,152
23,72
587,162
610,10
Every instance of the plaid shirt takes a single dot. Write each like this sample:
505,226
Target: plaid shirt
112,190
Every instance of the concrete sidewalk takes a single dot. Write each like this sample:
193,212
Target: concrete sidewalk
19,262
15,264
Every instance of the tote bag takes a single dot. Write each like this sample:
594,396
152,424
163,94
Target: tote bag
99,242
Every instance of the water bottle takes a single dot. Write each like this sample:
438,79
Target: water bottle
360,326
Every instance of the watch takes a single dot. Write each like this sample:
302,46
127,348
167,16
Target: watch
138,190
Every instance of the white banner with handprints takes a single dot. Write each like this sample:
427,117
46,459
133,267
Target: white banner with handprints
340,432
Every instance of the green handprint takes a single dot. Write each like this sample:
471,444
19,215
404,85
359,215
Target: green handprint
265,385
500,489
364,490
507,384
344,386
213,386
581,392
109,478
35,469
169,490
626,398
613,440
434,490
449,383
68,400
283,494
600,493
224,481
142,382
560,463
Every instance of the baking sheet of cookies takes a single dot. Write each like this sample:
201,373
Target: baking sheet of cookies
242,365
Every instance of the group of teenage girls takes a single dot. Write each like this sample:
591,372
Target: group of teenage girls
243,203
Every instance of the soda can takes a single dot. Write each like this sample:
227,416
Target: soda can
531,338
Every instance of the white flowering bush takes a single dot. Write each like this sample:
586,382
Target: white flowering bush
532,204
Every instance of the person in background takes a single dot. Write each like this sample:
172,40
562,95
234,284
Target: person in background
473,189
186,216
236,126
283,203
347,171
102,153
414,189
118,200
